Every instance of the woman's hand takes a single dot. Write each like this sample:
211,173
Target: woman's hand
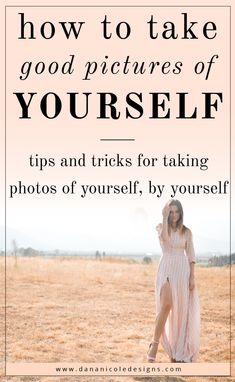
191,282
166,209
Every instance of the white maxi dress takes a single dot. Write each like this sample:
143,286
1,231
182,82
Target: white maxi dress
181,335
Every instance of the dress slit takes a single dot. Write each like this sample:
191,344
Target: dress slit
160,290
181,332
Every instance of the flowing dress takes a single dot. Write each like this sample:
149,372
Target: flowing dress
181,334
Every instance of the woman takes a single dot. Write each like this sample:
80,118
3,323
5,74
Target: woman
177,324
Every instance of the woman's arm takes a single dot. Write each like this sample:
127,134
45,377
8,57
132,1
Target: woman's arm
191,277
192,268
191,258
165,214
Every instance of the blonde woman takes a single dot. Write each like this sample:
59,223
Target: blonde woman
177,324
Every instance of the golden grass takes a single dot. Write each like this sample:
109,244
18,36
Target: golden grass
86,310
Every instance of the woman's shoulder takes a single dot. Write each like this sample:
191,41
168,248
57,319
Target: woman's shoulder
188,232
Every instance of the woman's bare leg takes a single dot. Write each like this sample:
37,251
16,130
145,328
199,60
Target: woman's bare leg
166,303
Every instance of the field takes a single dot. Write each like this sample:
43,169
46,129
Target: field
87,310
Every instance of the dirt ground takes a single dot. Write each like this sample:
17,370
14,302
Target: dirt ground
87,310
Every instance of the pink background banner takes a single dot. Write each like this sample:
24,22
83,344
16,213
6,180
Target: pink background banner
111,110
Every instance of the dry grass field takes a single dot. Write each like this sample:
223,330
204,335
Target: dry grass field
87,310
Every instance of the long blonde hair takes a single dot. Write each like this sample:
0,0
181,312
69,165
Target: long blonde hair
179,225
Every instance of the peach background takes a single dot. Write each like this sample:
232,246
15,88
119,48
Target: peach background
65,136
192,369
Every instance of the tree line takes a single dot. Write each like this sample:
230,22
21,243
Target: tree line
219,261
